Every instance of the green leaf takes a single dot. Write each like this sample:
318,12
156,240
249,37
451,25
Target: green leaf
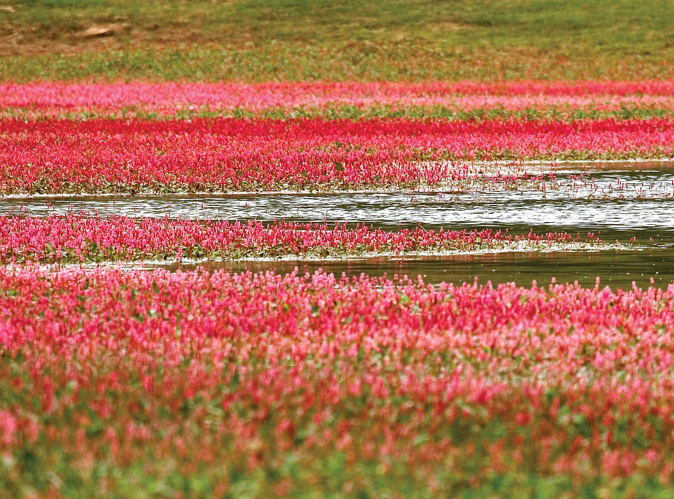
420,439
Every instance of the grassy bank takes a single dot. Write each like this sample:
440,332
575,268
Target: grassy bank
316,39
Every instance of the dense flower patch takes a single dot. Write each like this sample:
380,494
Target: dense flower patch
462,100
221,155
82,238
198,383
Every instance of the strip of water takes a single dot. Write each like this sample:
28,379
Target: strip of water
620,201
642,218
616,269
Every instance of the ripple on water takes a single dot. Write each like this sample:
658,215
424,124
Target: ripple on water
618,200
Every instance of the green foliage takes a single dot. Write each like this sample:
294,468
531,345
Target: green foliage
256,40
633,26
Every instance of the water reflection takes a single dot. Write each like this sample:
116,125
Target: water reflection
618,197
620,200
616,269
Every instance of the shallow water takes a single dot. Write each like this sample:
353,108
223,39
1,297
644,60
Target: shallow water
616,269
618,200
616,212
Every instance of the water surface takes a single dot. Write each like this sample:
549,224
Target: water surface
639,202
616,269
618,200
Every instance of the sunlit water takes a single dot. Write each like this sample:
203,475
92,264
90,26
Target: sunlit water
618,200
616,269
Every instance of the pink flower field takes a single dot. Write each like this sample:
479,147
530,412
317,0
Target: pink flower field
118,381
283,383
79,237
55,156
168,99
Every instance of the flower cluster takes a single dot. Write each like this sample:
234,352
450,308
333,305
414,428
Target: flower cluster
166,99
119,383
224,155
204,384
84,238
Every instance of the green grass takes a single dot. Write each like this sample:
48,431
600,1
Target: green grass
254,40
338,63
626,27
